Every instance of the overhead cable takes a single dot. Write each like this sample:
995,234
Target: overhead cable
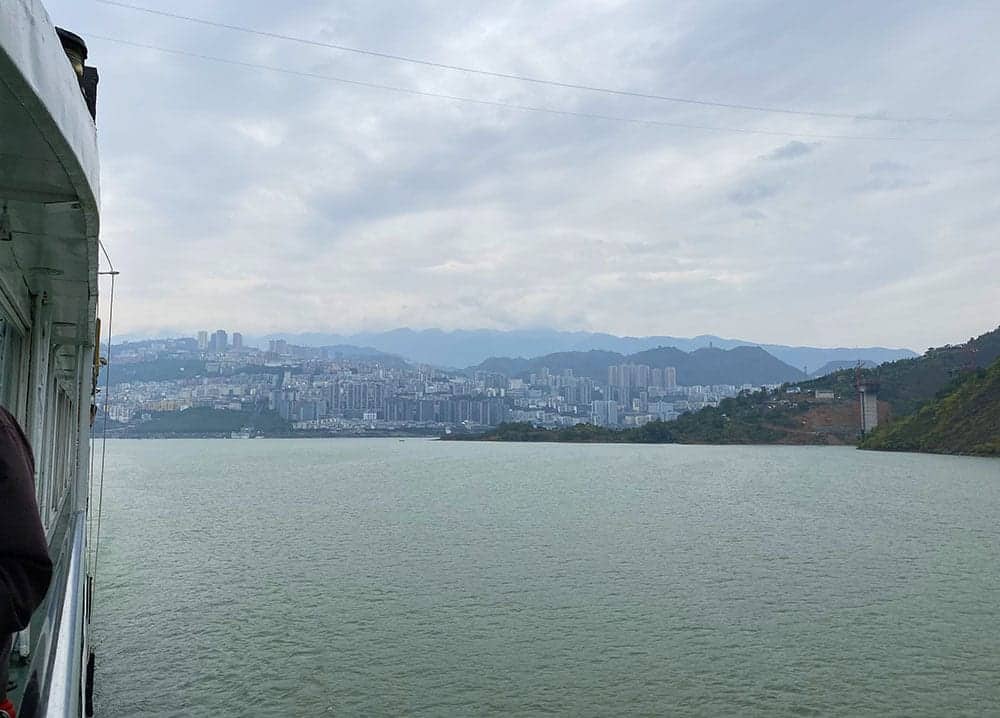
521,107
528,78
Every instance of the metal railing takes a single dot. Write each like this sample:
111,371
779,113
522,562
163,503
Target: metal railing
55,687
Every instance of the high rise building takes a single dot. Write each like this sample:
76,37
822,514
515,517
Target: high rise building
670,377
202,341
220,341
237,341
605,413
640,376
626,378
278,347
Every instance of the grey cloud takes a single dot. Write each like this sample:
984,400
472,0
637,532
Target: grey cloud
263,202
891,184
791,150
752,192
891,176
888,167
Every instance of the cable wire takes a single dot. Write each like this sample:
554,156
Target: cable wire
528,78
91,545
520,107
104,438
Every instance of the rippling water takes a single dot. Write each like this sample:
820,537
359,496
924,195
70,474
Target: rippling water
378,577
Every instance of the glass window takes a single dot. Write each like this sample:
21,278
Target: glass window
11,366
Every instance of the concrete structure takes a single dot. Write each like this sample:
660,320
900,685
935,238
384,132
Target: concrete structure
868,404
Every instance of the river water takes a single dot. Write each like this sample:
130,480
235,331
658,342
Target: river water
387,578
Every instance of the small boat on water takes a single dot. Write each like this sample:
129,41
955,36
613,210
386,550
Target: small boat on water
49,332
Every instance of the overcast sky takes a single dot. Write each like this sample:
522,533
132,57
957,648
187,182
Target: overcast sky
260,201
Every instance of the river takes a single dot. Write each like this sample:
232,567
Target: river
378,577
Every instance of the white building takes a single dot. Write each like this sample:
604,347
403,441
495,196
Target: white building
605,413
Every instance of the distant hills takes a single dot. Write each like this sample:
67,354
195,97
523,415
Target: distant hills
947,401
350,351
833,366
739,365
462,348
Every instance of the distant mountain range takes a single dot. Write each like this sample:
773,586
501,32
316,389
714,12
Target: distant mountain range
464,348
351,351
739,365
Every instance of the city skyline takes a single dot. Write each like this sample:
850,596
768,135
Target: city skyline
315,389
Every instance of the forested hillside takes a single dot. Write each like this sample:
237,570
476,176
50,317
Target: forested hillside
907,383
946,401
965,420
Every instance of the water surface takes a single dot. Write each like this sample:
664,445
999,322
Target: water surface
384,578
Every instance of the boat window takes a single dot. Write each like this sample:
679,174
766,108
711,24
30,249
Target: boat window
11,343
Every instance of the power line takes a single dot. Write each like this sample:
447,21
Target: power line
519,107
527,78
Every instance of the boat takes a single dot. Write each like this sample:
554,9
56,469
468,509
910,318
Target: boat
49,344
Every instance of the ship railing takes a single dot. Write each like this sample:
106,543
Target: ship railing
57,665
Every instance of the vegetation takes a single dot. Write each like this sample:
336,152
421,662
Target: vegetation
907,383
657,432
945,401
199,421
964,420
159,370
747,419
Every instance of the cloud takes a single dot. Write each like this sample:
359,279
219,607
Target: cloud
892,184
888,167
260,201
890,176
752,192
791,150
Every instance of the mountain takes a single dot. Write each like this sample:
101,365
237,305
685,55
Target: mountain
831,366
965,420
947,401
740,365
468,347
350,351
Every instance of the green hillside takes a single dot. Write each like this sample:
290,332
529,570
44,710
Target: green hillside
203,421
907,383
965,420
747,419
943,401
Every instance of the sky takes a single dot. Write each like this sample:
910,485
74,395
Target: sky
263,201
